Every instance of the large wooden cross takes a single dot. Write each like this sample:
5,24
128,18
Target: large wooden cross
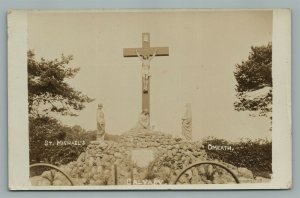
148,51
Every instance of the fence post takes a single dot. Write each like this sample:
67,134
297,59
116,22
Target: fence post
115,174
131,173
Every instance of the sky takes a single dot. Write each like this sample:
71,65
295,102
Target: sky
204,47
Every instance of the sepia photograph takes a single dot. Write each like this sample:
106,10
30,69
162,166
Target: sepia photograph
150,99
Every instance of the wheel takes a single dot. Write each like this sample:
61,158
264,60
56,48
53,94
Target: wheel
52,167
206,173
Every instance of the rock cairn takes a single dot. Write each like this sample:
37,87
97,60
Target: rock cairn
96,166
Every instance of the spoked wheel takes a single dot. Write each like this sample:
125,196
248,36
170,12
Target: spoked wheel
52,167
206,173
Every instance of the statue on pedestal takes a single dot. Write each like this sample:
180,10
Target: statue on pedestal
100,123
144,120
187,122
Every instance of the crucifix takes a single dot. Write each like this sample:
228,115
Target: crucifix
146,54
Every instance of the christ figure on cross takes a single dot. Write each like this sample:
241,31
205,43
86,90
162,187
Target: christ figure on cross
145,68
146,54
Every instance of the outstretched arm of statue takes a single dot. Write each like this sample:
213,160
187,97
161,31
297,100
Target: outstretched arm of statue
154,54
138,54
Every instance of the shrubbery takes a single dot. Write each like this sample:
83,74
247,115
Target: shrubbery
43,130
255,155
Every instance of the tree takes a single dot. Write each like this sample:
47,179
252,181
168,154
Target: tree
44,135
41,130
48,90
254,82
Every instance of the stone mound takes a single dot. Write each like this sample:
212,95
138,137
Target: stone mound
142,157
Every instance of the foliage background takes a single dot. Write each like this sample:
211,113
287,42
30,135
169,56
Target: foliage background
254,155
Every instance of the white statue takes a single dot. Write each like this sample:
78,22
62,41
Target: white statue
143,124
144,120
100,123
187,122
146,68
